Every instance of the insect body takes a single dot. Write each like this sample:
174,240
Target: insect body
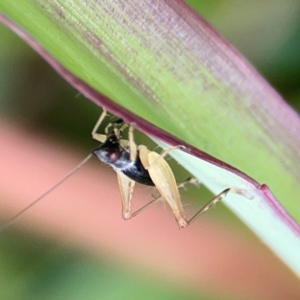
111,152
134,163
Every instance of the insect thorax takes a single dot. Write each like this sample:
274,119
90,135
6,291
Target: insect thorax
111,153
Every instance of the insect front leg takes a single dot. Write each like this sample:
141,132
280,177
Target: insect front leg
102,137
98,136
117,131
132,144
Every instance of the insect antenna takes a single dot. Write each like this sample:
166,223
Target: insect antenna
20,213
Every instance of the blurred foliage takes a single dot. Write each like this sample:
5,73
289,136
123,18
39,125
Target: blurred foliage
266,32
42,270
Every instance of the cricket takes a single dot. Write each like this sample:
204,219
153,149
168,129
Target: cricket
134,163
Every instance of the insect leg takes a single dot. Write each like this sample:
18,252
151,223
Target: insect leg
126,186
164,180
210,204
132,144
102,137
145,207
163,154
116,130
98,136
190,180
181,185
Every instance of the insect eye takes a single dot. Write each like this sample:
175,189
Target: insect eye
113,155
113,139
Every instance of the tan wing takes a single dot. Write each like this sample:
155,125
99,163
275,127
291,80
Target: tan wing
163,178
126,186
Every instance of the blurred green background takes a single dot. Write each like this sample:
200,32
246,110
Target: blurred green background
266,32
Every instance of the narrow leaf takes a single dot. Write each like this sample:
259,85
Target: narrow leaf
179,81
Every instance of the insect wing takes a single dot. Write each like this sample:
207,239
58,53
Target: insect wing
163,178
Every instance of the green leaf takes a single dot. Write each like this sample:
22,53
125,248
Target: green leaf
162,62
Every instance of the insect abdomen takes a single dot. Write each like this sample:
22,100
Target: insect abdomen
138,173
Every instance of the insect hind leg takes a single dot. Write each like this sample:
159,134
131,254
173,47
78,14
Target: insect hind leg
189,180
209,205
